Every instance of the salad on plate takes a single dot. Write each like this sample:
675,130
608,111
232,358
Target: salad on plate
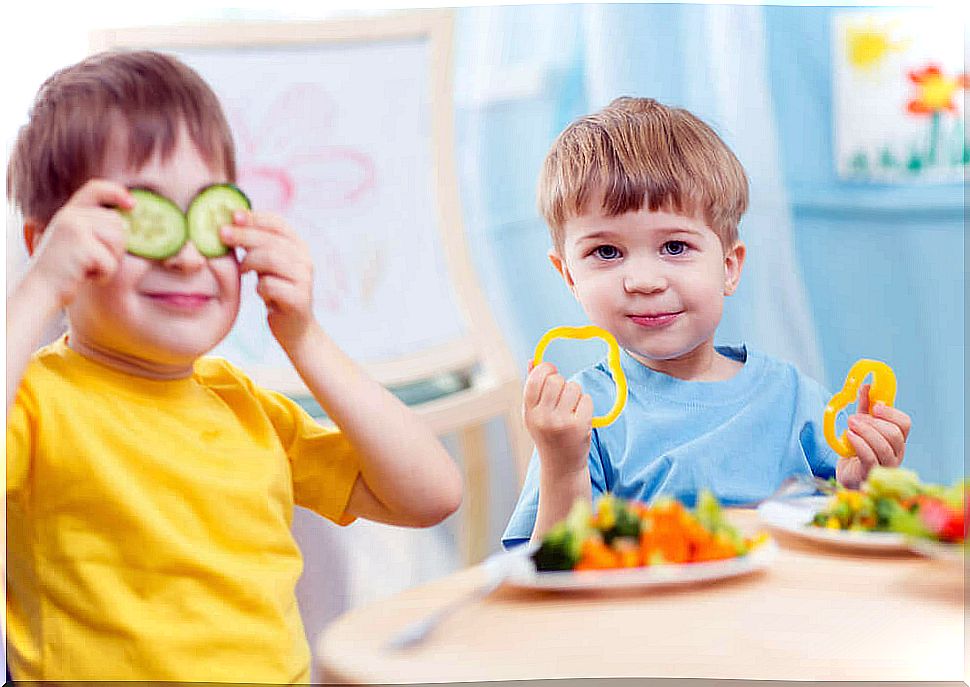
895,500
623,544
892,511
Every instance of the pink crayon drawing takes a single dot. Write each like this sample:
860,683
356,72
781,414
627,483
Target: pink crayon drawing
299,172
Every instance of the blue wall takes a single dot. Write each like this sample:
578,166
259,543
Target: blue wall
883,265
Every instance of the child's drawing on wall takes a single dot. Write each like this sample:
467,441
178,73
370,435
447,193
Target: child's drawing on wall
899,81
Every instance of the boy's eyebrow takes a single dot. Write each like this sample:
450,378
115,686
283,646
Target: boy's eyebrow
601,235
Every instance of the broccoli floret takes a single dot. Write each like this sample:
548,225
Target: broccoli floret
623,522
557,551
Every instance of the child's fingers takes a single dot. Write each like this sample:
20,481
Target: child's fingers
863,401
245,237
281,262
275,290
863,452
103,193
895,416
889,431
863,427
551,391
571,394
266,221
110,229
101,263
584,410
534,383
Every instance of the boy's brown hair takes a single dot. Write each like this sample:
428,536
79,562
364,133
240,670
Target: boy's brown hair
145,95
638,152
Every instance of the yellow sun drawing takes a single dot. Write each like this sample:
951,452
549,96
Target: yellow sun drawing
869,42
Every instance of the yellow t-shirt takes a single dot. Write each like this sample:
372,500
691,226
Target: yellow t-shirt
148,523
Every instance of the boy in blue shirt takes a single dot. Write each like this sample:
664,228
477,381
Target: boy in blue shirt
643,202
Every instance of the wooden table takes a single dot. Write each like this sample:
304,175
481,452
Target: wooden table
815,614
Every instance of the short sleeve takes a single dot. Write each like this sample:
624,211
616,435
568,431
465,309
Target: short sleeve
325,466
21,429
523,519
820,456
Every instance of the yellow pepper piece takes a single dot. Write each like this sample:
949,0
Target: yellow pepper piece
612,360
883,389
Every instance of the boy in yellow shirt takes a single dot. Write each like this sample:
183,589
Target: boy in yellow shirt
150,489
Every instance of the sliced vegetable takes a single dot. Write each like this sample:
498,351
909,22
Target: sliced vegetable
211,210
156,226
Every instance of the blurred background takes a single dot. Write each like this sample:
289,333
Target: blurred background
849,121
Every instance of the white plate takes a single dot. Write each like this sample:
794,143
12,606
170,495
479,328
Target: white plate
794,516
526,576
950,553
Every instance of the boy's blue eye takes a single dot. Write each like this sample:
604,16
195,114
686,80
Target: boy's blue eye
607,252
675,247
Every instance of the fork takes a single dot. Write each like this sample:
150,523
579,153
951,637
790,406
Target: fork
497,568
797,485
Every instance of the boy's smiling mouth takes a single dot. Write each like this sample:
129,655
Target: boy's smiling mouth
658,319
177,300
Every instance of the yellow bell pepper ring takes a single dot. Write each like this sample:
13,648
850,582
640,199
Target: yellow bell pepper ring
883,389
612,360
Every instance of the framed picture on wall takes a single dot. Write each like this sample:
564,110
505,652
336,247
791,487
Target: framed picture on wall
899,82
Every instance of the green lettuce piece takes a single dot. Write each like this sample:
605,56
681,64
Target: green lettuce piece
893,483
895,518
709,513
577,523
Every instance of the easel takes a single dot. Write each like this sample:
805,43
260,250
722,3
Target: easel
481,353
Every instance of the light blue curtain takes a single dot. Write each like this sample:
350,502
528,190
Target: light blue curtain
760,76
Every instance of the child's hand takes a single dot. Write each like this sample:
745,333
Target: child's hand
85,240
559,417
878,436
281,259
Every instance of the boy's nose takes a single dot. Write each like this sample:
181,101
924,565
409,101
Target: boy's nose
644,281
186,260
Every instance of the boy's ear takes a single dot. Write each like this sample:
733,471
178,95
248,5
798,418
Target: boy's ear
733,264
32,234
561,268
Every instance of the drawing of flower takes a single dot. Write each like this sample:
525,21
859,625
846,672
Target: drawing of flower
935,90
300,172
934,95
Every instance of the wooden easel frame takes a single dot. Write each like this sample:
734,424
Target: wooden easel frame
495,390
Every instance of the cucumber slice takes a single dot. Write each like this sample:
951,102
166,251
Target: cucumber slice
211,210
156,226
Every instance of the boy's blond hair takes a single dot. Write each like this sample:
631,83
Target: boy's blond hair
143,95
637,152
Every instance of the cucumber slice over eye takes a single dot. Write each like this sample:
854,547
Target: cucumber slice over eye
156,226
211,210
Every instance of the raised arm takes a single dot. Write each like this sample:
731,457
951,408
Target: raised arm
559,418
84,240
407,476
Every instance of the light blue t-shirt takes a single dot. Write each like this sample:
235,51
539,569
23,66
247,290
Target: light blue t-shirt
739,438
